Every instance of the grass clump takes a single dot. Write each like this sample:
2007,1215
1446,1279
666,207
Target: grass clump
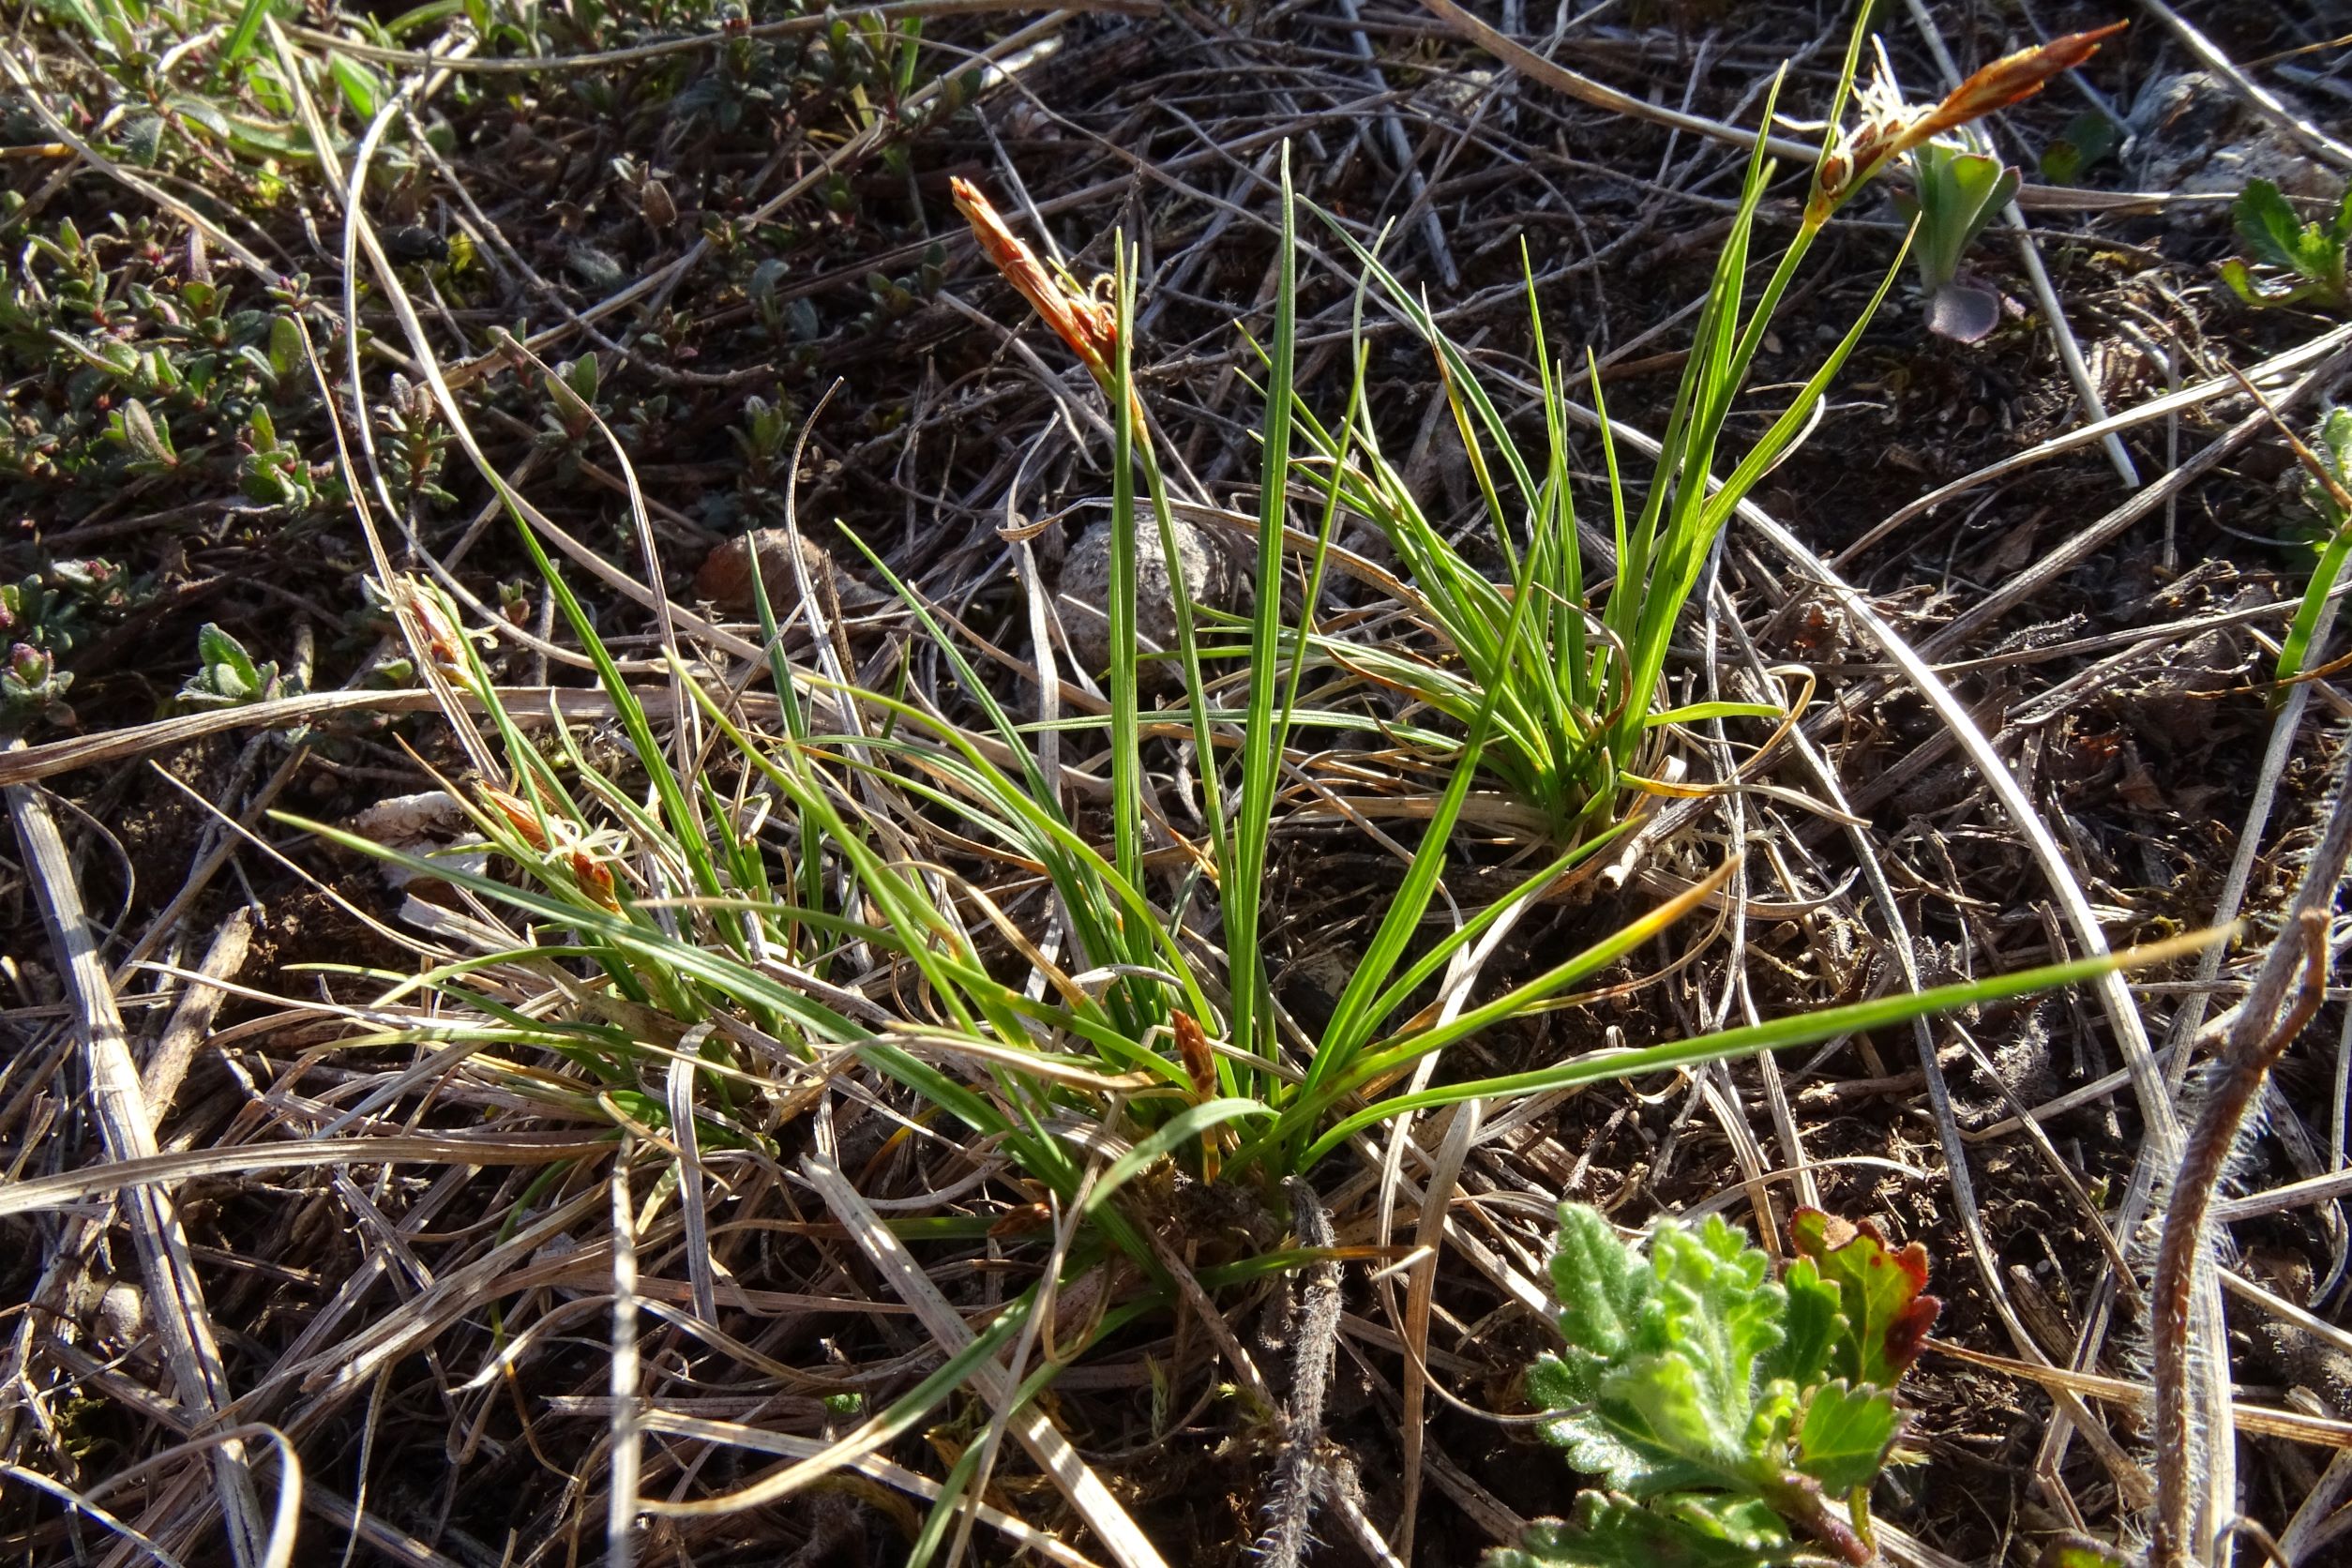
1576,694
768,892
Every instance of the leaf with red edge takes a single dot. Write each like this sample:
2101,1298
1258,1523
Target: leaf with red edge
1886,1310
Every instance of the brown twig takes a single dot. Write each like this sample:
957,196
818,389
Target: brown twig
1291,1492
2265,1026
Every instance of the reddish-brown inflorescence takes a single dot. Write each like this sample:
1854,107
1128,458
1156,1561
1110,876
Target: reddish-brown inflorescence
594,876
1088,326
1890,128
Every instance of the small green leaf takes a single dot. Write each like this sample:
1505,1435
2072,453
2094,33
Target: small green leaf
148,438
583,375
2088,137
285,347
765,277
1599,1282
226,675
1813,1323
2266,224
143,138
594,266
1591,1446
207,116
1662,1404
1846,1434
217,648
361,87
2241,283
1886,1314
1955,193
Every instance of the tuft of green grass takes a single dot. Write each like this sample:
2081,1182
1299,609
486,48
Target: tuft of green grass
821,889
1566,658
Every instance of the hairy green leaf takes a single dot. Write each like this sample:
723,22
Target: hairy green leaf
1846,1435
1688,1393
2268,225
1719,1407
2311,254
1600,1283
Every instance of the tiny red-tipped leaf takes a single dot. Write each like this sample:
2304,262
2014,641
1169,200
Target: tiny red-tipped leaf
1883,1292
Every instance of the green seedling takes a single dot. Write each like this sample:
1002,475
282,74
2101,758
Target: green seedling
43,616
2326,490
270,471
572,407
418,443
1955,191
227,676
31,686
2303,262
54,608
1722,1409
2089,138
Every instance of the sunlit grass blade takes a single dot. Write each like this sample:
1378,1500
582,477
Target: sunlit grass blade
2294,647
1262,736
1803,1029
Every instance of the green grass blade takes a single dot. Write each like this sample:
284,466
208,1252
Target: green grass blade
1126,757
239,42
1245,873
2295,649
1778,1035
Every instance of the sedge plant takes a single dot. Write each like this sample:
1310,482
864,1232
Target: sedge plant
1579,700
719,993
1562,692
1132,1032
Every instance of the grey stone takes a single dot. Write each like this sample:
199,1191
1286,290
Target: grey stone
2192,134
1084,602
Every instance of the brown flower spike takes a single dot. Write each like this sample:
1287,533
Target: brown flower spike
529,824
2012,78
1089,327
1891,128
